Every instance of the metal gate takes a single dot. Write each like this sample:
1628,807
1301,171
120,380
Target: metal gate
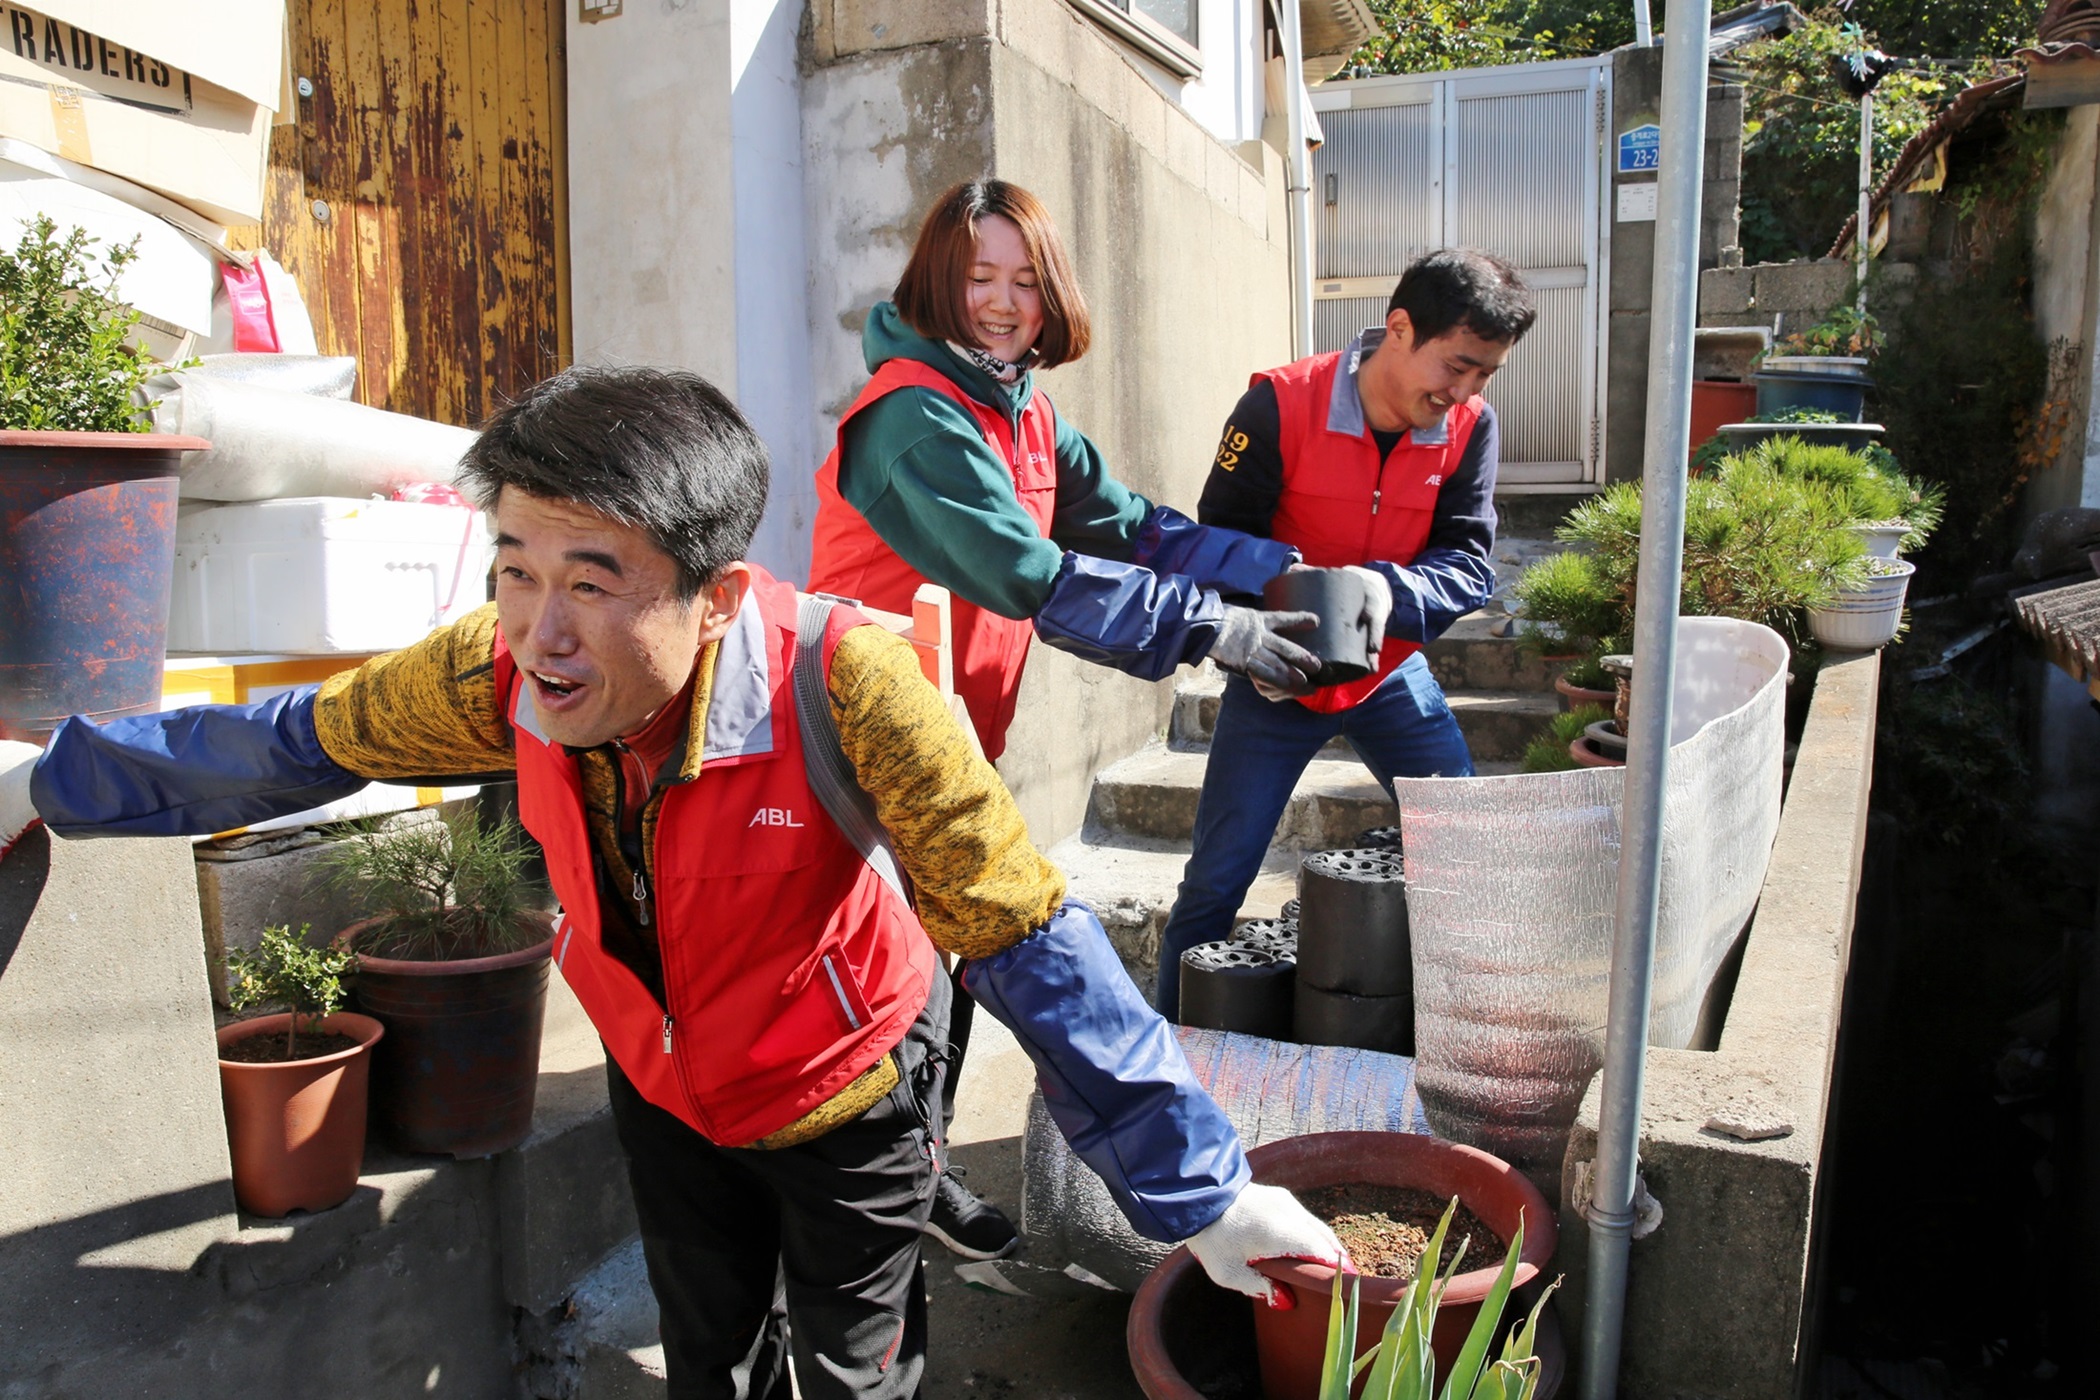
1506,159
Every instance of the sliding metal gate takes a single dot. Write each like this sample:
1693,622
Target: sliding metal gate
1507,159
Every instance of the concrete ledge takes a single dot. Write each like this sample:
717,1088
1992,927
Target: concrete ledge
1719,1301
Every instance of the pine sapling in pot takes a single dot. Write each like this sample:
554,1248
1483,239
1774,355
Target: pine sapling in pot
454,964
443,889
285,970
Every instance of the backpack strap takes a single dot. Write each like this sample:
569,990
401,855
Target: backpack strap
824,759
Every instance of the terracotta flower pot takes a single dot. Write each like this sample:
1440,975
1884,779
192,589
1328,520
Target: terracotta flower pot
297,1129
1588,757
460,1064
1292,1341
1574,697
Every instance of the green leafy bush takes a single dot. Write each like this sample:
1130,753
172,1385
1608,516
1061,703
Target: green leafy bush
285,970
1402,1365
1548,750
450,888
65,360
1844,331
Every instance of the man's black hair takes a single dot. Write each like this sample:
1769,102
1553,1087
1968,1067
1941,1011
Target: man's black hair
1455,287
661,450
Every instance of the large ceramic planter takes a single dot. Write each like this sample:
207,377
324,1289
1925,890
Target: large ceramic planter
1183,1330
87,544
1851,436
1291,1341
1574,697
297,1129
1865,618
460,1064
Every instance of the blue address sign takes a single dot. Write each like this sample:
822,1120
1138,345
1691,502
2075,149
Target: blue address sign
1641,148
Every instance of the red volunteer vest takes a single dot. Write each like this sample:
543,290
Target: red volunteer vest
849,560
790,967
1341,505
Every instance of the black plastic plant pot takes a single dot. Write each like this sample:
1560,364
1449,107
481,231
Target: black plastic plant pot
1352,923
1379,838
1606,738
1341,640
1236,987
1321,1017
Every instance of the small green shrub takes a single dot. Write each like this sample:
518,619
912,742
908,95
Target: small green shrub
285,970
1402,1365
1548,750
1845,331
65,360
450,888
1799,413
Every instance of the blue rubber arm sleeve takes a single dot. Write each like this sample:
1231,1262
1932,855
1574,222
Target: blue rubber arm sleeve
1113,1076
1436,590
1171,543
1129,617
187,772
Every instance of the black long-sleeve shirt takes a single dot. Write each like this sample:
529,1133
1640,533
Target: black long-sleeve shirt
1449,578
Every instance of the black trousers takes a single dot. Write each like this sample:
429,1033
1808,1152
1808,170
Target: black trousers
813,1248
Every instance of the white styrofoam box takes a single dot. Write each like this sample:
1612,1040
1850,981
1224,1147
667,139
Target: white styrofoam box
319,574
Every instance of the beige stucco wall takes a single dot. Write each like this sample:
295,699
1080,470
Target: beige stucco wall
1179,243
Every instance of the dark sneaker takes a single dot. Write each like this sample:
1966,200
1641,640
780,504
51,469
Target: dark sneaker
972,1228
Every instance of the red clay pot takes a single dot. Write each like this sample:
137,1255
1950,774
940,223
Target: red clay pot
460,1064
1588,757
297,1129
1293,1341
1574,697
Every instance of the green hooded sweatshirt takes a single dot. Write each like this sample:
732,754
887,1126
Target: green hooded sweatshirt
914,464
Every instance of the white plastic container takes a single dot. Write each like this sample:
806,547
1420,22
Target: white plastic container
1868,618
321,574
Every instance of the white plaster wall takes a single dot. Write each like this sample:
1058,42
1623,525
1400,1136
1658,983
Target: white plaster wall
772,281
651,226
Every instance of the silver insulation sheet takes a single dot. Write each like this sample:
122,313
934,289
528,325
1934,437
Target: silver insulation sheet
1511,886
1268,1088
269,443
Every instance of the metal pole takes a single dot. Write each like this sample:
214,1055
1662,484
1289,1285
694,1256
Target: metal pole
1297,184
1863,231
1675,307
1643,31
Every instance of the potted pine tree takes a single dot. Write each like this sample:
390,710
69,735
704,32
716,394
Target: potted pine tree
87,494
294,1083
455,967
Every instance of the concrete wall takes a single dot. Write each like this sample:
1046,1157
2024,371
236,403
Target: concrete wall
686,247
1637,100
1721,1297
1179,243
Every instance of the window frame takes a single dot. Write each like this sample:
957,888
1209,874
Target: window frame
1149,37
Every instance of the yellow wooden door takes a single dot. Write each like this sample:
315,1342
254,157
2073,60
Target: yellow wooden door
420,197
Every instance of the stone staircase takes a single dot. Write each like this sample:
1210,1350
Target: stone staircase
1127,859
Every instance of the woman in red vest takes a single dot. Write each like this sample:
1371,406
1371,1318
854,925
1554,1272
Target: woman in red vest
952,466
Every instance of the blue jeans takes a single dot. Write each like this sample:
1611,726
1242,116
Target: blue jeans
1258,750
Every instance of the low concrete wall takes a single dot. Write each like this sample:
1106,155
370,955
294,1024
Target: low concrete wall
125,1260
1179,243
1721,1298
1796,295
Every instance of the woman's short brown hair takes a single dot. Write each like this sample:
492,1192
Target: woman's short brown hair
931,295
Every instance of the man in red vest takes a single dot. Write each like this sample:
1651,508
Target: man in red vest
772,1010
1380,458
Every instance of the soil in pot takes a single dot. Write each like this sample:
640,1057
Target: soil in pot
1386,1228
269,1049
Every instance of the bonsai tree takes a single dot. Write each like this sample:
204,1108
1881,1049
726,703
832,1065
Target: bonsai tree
1759,544
66,361
285,970
1869,483
1403,1367
444,888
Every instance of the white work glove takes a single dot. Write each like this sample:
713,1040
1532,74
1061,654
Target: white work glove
1263,1222
1378,602
17,813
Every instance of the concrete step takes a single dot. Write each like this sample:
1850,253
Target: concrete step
1152,796
1472,656
1497,723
